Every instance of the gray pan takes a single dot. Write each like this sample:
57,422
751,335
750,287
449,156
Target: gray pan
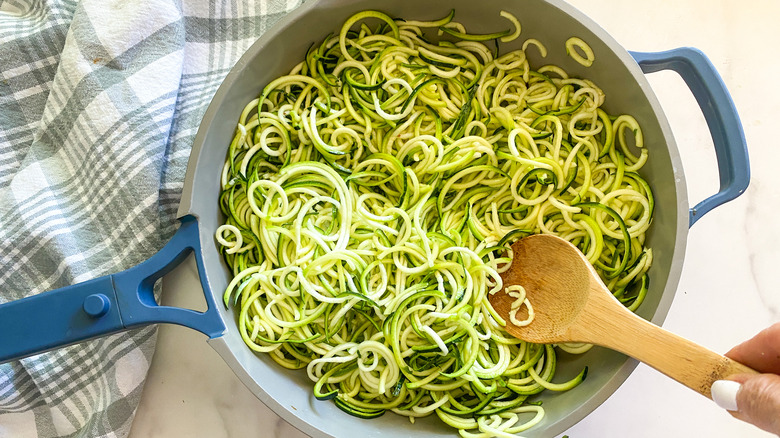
124,300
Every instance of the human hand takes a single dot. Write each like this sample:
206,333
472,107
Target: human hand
754,398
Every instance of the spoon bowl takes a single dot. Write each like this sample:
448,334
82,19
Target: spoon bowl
556,284
570,303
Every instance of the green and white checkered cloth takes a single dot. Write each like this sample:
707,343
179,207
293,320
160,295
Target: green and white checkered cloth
99,105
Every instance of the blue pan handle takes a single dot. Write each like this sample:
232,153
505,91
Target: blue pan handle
106,305
720,113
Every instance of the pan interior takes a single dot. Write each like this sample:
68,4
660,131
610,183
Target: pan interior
552,22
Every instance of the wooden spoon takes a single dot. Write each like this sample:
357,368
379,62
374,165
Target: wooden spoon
572,304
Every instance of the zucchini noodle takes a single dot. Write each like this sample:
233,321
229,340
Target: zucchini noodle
580,51
370,197
518,293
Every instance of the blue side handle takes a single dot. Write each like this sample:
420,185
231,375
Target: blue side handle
720,113
106,305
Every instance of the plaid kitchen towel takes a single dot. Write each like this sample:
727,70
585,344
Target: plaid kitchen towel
99,103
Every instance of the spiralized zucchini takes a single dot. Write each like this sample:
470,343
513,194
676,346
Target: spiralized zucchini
574,46
371,194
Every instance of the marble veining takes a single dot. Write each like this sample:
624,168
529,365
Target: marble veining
761,239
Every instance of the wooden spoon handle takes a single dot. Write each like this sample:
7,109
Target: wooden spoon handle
685,361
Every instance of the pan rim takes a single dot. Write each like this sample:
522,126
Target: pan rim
189,207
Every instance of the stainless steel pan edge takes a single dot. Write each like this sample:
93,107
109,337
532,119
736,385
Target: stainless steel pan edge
289,393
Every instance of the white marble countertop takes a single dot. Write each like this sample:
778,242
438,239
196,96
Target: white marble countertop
728,291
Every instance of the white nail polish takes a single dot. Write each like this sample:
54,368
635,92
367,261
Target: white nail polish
724,394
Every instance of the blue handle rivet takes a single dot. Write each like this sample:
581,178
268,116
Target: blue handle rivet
96,305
